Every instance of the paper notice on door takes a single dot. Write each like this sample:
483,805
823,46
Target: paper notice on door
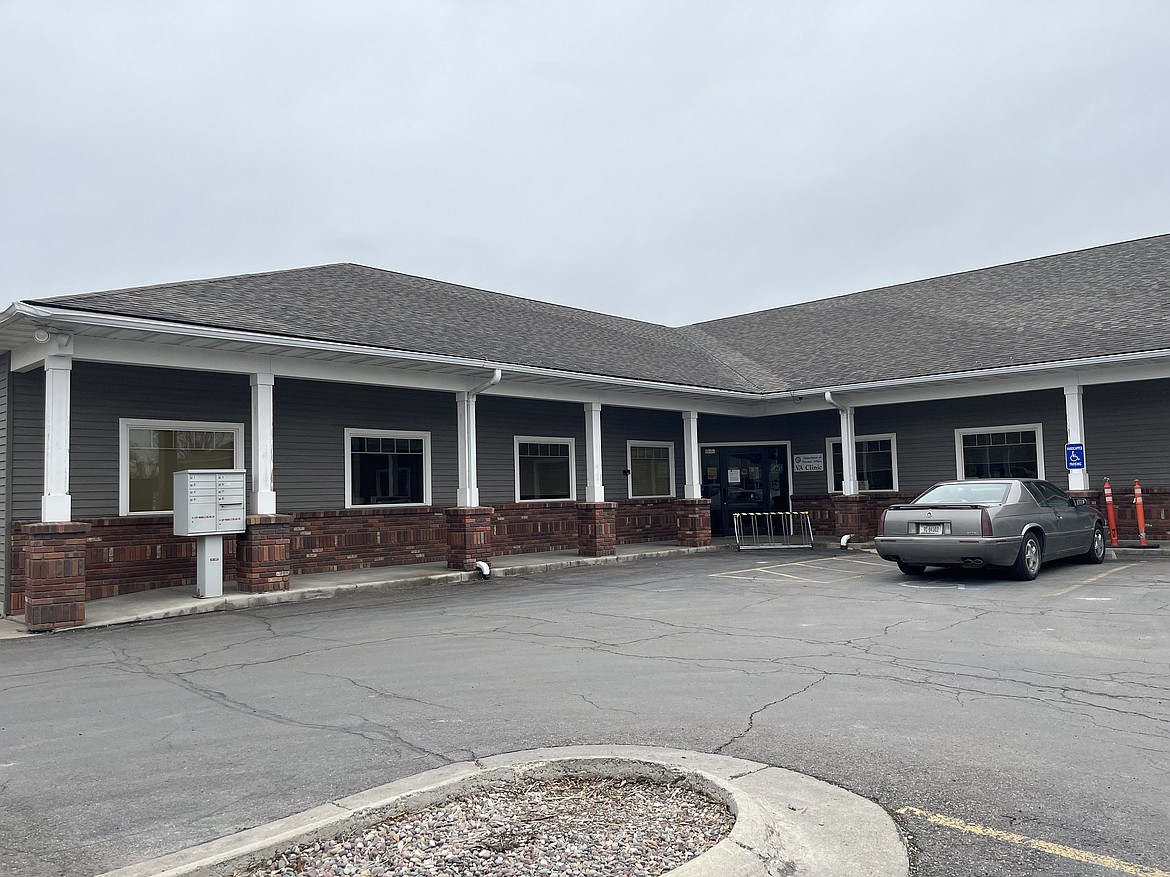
733,476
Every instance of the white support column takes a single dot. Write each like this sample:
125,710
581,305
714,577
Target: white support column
692,487
594,488
263,479
1074,414
467,496
848,453
56,504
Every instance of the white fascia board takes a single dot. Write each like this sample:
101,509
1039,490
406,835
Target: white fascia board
678,401
203,359
140,353
63,317
1154,365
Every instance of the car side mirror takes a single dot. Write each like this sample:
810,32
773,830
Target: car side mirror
1080,500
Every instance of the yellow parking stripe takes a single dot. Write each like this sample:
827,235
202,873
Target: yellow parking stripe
1035,844
1095,578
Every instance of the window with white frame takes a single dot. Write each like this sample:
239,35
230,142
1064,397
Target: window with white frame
651,466
1000,451
152,451
545,468
877,463
387,467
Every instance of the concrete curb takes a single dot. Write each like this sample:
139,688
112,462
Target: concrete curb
786,823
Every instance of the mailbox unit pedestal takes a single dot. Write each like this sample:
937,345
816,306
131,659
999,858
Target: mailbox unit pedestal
208,504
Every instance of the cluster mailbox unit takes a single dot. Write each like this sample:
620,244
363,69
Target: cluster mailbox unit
210,503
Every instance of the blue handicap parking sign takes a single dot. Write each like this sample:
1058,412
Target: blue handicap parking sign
1074,456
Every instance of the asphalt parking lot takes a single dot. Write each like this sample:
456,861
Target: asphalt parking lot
1013,728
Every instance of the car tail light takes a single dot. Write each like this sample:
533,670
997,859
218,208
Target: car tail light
985,518
882,523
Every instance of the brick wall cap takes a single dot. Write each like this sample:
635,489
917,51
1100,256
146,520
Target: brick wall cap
252,520
41,528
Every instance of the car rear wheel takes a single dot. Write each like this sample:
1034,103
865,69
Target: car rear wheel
911,569
1027,565
1096,552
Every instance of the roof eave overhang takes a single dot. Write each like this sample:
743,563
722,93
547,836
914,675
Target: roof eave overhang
64,318
1081,370
1069,372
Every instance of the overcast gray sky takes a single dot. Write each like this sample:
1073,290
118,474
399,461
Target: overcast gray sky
671,161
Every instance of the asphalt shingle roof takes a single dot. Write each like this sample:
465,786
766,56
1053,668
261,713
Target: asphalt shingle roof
360,305
1101,301
1096,302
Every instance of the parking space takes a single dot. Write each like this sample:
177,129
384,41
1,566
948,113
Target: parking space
1012,728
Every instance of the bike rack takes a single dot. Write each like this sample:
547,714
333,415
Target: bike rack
772,530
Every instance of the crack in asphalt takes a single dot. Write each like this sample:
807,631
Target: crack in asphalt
751,721
365,729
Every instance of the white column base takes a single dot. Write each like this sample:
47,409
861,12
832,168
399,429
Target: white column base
467,497
56,508
264,502
595,494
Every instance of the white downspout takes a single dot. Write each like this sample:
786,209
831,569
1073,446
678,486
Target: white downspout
467,495
848,447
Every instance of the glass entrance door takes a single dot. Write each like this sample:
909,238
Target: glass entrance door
744,479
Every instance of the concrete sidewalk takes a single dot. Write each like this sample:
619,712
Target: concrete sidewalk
180,601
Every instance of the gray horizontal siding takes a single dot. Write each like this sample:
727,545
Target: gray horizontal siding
500,420
5,482
621,425
808,437
926,431
309,444
100,395
1126,426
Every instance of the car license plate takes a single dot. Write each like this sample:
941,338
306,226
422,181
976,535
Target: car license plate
930,529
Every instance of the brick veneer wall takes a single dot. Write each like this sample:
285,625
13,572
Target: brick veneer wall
823,513
524,528
55,582
1155,502
647,520
126,556
329,541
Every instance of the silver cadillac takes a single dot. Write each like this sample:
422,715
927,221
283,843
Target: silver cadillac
1015,523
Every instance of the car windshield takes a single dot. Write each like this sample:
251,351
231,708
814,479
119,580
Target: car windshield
966,492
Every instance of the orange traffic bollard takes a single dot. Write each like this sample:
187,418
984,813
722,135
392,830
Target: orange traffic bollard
1110,515
1141,514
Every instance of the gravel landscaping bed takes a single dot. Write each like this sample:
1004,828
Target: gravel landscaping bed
573,827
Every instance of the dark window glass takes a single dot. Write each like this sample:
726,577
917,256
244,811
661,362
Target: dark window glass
1001,455
875,465
386,471
544,470
157,454
650,471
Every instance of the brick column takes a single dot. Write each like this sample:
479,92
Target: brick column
262,554
597,529
694,522
469,536
849,517
54,558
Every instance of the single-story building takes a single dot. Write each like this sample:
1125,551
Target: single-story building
386,419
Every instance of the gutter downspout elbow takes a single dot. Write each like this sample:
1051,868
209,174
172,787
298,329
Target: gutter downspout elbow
829,398
484,569
497,374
